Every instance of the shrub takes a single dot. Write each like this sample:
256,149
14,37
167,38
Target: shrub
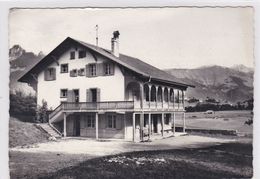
22,105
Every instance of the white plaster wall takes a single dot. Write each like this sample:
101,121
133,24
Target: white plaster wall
111,87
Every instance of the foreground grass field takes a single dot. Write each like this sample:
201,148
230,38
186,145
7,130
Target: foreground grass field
231,160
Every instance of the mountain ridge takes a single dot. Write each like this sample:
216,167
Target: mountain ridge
230,84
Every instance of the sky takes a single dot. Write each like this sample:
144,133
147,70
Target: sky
164,37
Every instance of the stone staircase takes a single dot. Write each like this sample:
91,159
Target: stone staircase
46,127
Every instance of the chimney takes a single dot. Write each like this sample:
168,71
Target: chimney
115,43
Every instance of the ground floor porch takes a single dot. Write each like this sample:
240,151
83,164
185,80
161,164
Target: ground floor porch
130,126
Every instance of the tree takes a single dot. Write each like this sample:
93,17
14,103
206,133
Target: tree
42,112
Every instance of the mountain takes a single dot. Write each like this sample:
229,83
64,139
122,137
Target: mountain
21,61
243,68
222,83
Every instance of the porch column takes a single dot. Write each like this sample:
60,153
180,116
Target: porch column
133,127
141,95
156,96
162,95
173,122
169,97
149,96
97,126
64,124
162,124
142,126
184,125
149,125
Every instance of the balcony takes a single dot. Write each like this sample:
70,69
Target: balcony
114,106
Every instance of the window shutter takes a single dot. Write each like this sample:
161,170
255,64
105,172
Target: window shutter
89,95
118,123
98,94
70,96
100,69
112,69
87,71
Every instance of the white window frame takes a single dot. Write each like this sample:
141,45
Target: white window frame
62,92
111,121
90,120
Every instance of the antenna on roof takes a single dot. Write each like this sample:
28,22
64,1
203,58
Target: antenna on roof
96,35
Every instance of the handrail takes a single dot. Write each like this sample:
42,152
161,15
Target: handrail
55,111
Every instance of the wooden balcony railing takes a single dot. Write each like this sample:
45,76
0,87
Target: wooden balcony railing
113,105
98,105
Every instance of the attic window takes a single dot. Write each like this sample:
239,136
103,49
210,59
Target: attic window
82,54
50,74
92,69
72,55
73,73
108,69
64,68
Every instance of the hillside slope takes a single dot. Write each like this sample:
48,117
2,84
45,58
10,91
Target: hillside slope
24,133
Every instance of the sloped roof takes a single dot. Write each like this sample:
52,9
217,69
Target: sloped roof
131,63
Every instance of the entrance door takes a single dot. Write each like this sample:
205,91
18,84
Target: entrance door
77,125
155,124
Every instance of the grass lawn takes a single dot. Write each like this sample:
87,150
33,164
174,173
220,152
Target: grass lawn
220,120
231,160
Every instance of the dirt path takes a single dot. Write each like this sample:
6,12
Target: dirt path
52,156
101,148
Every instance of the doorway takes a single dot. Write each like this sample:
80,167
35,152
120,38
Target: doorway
155,123
77,125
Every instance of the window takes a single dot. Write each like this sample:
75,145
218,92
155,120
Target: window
108,69
92,70
50,74
73,73
91,121
111,121
82,54
64,68
64,93
81,72
72,55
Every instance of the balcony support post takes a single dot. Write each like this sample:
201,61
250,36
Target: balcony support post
64,124
184,125
162,122
149,126
173,122
96,126
142,126
133,127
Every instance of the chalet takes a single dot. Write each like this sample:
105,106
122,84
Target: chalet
98,93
